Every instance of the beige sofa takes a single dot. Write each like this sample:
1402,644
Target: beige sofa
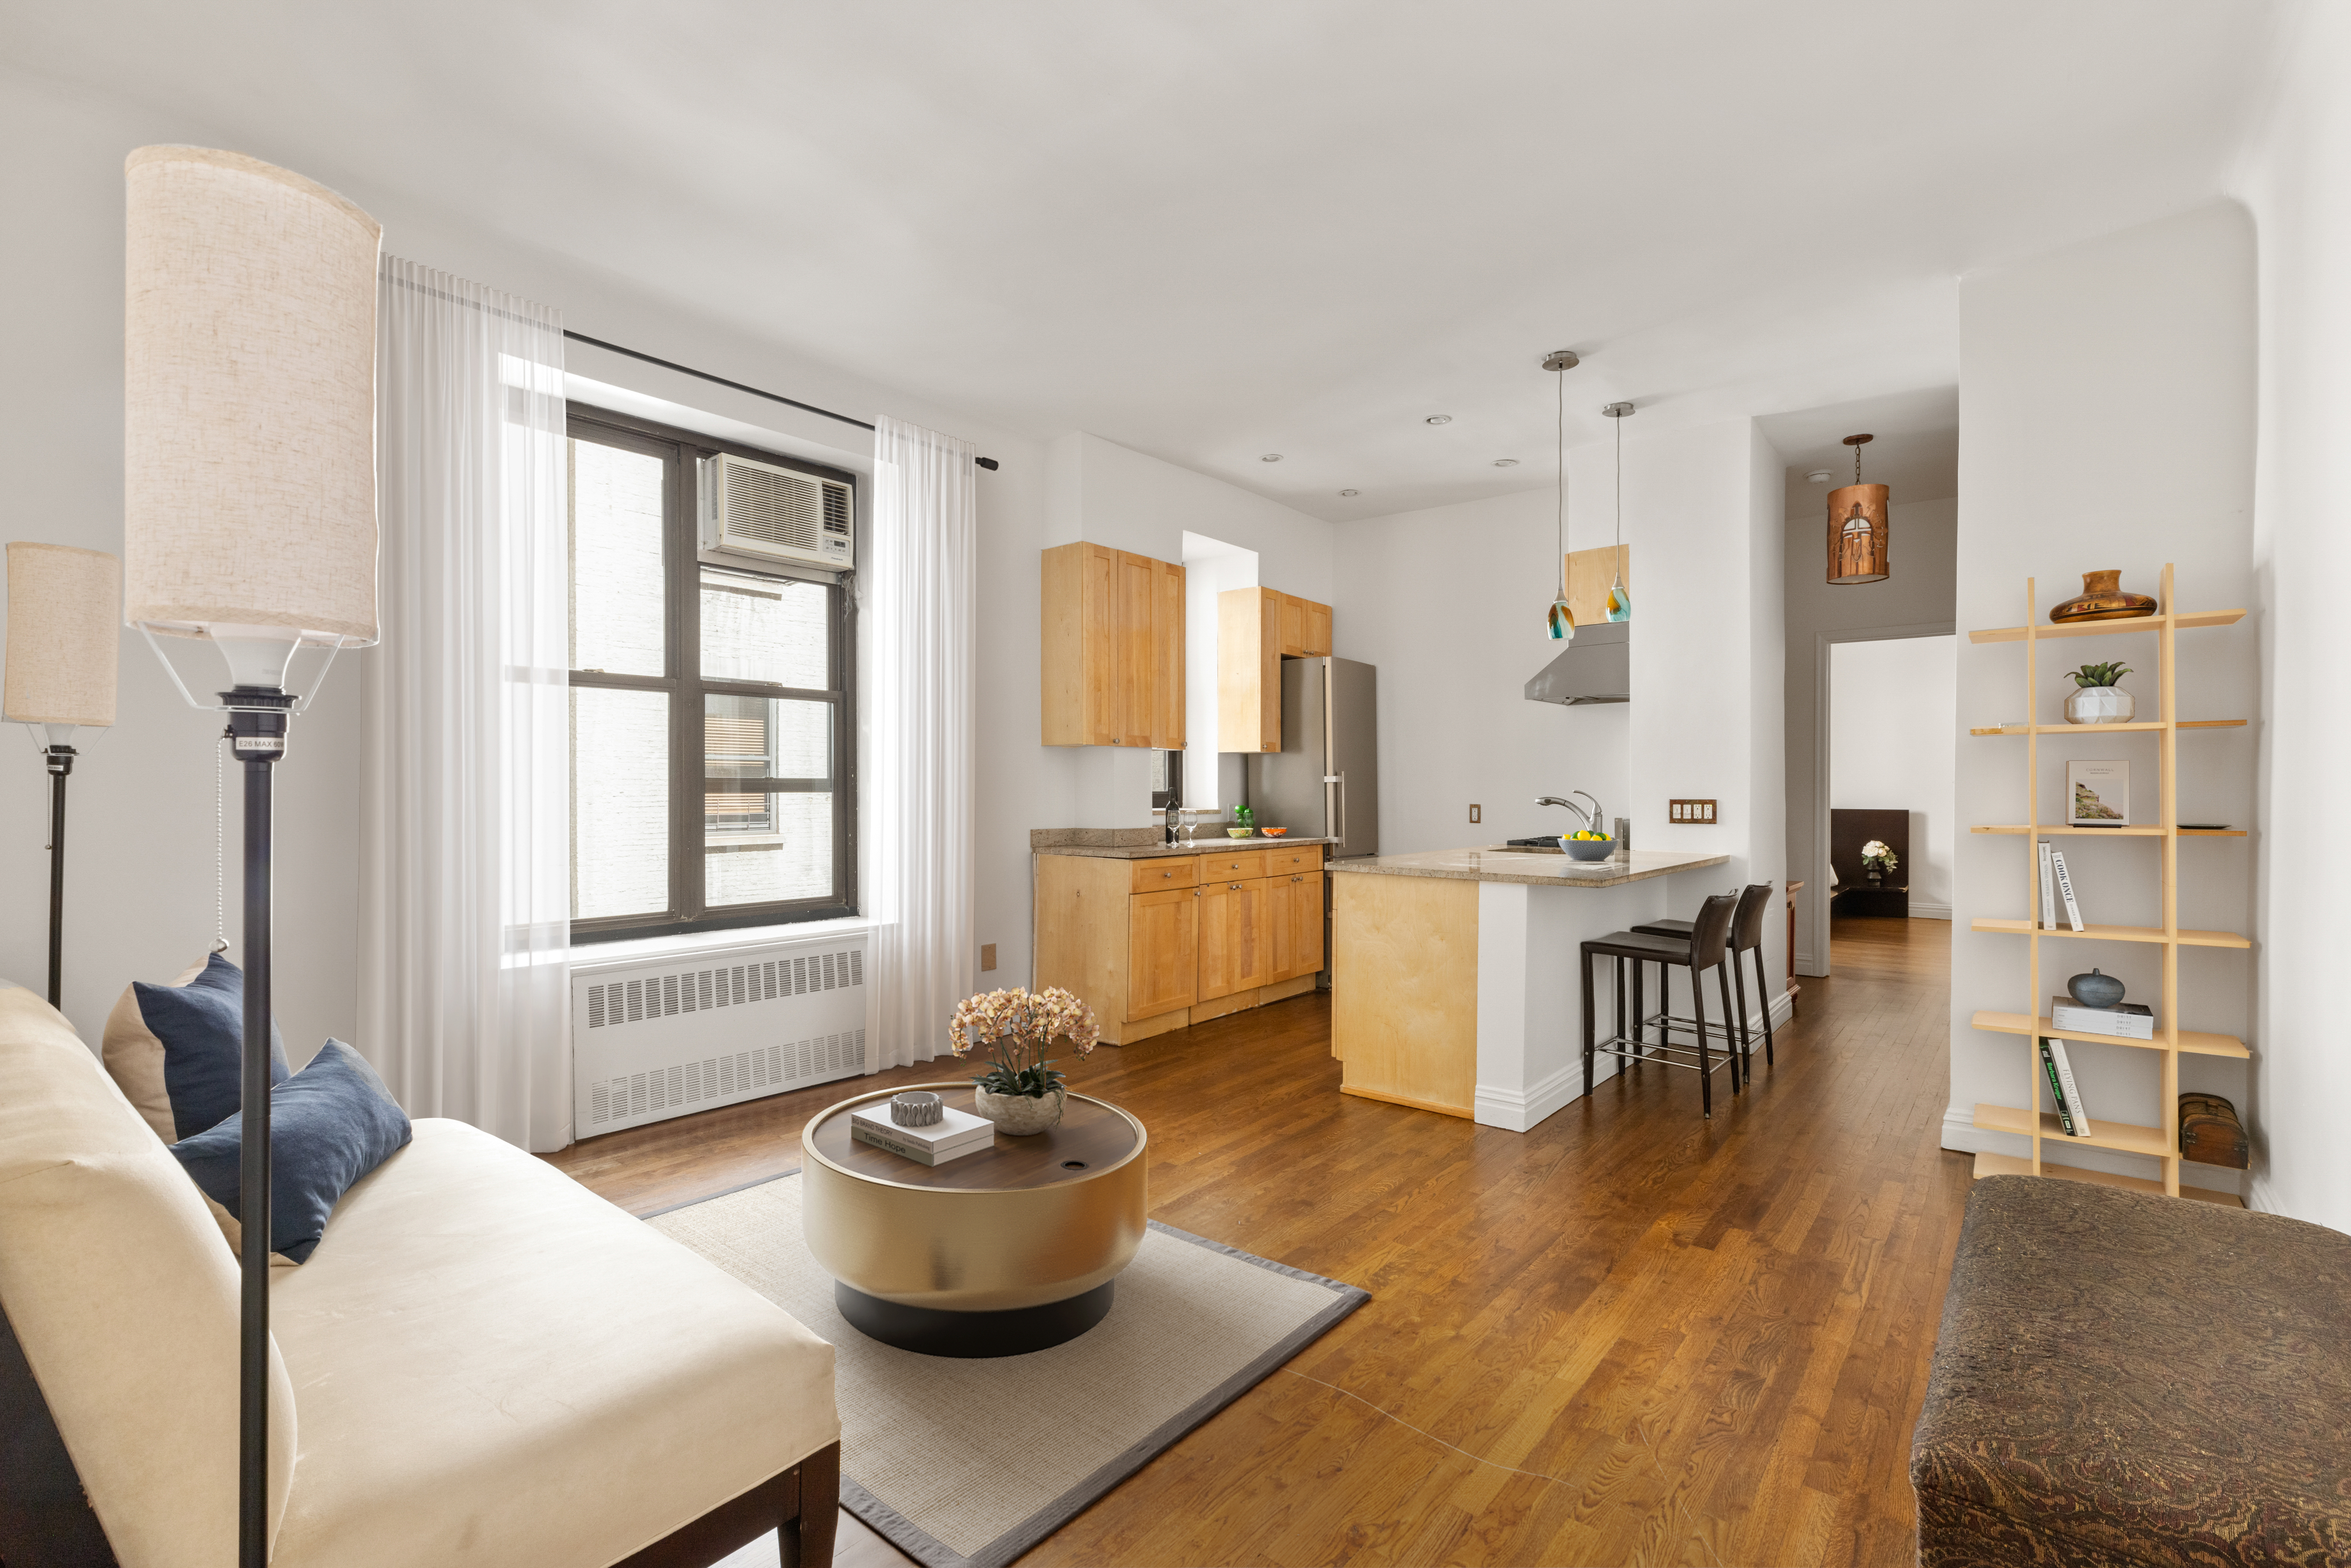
483,1364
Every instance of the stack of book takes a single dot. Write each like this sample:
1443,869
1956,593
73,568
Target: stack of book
2124,1020
955,1135
2063,1089
2056,884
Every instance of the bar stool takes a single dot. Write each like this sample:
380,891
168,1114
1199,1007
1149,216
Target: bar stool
1702,949
1746,937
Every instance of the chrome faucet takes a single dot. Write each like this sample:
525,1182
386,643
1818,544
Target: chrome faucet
1592,819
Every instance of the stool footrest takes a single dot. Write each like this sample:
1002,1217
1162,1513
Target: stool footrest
1661,1055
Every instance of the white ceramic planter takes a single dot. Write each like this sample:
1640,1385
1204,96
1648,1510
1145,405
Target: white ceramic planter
2099,704
1019,1114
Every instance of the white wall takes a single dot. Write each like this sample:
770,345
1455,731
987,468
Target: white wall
2299,188
1893,723
1923,556
1449,602
2107,394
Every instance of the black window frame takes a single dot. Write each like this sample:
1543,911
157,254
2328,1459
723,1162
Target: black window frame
685,686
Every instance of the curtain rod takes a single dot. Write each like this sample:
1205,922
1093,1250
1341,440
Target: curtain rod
987,463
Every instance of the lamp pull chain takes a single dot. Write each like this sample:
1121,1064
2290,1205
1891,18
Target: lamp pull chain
220,852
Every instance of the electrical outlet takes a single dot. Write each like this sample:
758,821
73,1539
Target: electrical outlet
1477,813
1697,811
987,957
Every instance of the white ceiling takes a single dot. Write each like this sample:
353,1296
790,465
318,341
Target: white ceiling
1215,229
1915,453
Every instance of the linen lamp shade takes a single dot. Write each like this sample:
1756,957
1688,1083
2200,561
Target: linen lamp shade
64,637
249,402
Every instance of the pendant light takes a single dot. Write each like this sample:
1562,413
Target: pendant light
1857,526
1620,598
1559,620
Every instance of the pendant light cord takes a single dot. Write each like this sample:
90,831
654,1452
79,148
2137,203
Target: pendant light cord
1559,446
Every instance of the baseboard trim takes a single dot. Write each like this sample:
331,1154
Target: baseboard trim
1930,911
1519,1111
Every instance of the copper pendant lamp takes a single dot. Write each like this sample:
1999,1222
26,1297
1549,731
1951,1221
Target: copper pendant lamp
1858,530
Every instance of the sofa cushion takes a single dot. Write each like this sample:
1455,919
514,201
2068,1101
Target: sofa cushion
117,1288
182,1047
2131,1379
330,1124
495,1366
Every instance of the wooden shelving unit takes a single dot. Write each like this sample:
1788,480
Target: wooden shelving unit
2170,1040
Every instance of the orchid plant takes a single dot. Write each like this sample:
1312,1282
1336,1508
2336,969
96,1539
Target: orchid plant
1014,1030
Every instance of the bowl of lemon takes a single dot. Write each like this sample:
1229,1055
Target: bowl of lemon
1587,845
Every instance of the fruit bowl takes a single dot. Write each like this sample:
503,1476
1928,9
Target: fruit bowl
1273,833
1588,848
1239,832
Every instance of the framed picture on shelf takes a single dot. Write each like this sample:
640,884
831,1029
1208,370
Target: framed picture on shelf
2097,794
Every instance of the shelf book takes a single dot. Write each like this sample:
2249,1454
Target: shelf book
2053,905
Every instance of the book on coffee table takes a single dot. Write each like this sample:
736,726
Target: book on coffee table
955,1135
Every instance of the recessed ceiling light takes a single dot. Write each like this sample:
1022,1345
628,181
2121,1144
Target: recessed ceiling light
1349,492
1505,463
1271,458
1820,475
1438,419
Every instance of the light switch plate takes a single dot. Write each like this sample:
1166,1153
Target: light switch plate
1697,811
987,957
1477,813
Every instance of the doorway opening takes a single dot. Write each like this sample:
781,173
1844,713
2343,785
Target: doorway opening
1892,721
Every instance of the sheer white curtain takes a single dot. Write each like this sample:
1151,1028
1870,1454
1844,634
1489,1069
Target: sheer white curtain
919,815
464,880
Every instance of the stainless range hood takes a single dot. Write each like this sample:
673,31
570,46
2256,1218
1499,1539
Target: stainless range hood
1596,667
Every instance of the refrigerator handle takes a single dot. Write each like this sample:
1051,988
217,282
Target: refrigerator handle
1340,780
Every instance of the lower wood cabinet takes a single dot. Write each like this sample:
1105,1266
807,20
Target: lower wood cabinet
1157,944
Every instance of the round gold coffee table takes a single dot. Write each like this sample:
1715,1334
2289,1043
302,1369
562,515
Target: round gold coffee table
1002,1252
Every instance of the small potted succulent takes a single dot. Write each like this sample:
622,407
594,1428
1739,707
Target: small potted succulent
1878,859
2096,698
1244,823
1020,1093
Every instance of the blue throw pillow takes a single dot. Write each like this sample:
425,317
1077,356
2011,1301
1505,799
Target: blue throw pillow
330,1124
202,1027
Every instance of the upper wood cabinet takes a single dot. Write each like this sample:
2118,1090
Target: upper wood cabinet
1256,628
1112,668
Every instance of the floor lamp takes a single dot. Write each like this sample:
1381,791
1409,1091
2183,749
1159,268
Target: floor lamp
249,522
63,646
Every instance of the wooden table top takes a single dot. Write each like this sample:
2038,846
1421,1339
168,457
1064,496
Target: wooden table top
1093,1137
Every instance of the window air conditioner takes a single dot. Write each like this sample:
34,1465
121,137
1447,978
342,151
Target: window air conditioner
777,513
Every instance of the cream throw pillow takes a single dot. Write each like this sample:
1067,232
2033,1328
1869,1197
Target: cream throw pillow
134,1058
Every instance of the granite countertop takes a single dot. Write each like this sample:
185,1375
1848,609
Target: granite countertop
1155,848
1534,867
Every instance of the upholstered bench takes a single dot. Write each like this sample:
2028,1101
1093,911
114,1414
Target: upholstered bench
2130,1379
483,1363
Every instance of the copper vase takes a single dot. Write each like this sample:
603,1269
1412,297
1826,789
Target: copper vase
2102,598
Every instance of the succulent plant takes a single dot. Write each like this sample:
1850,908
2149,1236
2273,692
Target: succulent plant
2099,674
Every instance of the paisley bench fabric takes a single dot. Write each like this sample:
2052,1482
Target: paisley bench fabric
2130,1379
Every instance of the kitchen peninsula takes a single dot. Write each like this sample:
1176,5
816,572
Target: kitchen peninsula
1453,983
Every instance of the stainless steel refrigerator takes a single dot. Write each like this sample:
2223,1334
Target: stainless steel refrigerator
1324,782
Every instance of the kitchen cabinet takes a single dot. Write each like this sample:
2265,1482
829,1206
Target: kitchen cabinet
1159,942
1256,628
1235,948
1111,634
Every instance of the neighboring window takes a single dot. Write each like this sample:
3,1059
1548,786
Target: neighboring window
712,762
1167,779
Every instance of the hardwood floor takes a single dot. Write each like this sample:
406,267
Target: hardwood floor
1628,1336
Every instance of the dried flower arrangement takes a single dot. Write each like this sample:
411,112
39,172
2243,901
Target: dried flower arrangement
1014,1030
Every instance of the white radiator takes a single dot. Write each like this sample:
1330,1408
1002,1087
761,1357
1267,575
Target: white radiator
656,1038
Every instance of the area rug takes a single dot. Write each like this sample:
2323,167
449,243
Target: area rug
967,1464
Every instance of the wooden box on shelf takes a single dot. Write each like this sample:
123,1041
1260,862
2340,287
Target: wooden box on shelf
1112,668
2170,1041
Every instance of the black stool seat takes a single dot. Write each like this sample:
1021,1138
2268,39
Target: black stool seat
1706,947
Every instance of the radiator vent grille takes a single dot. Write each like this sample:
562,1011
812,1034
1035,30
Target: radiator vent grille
717,1077
696,990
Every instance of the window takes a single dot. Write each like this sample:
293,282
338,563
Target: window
1167,779
713,778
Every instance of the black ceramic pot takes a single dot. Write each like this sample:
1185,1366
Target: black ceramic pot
2095,990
